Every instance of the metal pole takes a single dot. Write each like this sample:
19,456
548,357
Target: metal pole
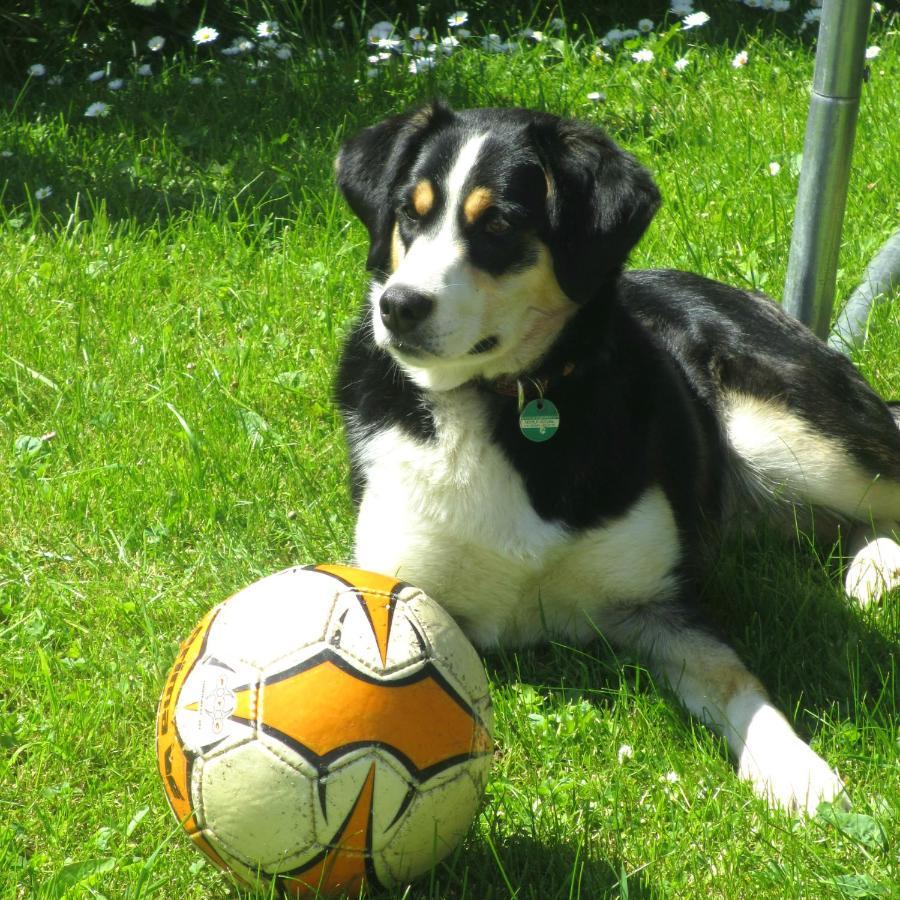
827,151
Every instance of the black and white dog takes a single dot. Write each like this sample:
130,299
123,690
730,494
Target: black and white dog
548,445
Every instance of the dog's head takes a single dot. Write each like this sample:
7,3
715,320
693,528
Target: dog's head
488,228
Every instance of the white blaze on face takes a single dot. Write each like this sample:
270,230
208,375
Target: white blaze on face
435,263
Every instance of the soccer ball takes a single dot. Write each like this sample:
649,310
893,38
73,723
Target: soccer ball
326,727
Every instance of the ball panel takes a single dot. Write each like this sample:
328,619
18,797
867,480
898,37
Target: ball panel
457,659
216,706
274,620
346,863
342,709
255,806
174,764
431,827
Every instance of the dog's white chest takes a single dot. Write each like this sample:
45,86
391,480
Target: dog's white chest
452,516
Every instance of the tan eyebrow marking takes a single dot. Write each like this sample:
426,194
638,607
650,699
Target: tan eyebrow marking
477,203
423,197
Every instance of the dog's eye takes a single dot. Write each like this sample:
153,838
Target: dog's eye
497,225
408,211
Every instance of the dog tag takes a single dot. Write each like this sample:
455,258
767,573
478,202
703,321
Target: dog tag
539,420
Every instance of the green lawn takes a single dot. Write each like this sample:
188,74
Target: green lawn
170,319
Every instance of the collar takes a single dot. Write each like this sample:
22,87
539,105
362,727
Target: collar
528,386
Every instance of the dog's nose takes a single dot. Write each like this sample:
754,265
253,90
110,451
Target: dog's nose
403,308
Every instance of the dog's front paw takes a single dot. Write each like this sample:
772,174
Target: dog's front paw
874,571
792,776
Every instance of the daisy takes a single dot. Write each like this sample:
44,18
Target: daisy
116,84
449,43
244,45
680,64
463,33
774,168
267,29
810,17
380,30
872,52
557,25
388,43
458,18
642,56
37,70
97,75
625,752
43,193
338,24
205,35
97,109
195,80
418,33
740,60
147,3
492,42
55,80
612,37
694,20
156,43
681,7
284,52
421,64
145,70
781,5
645,25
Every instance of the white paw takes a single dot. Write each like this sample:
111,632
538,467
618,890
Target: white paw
792,776
875,570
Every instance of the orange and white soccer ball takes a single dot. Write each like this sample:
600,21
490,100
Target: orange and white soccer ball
326,727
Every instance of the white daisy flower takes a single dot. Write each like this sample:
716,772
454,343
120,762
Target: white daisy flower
145,3
145,70
602,55
460,17
753,4
55,80
372,73
380,30
156,43
694,20
267,29
230,51
38,70
284,52
492,42
774,168
116,84
872,52
449,43
388,43
463,33
681,64
205,35
740,59
43,193
536,36
195,80
97,75
421,64
630,33
557,25
645,25
681,7
811,17
642,56
418,33
420,48
338,24
244,45
626,751
781,5
95,110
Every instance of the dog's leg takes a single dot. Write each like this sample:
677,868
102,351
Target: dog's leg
715,686
874,567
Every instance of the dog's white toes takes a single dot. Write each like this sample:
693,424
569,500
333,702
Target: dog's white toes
875,570
794,778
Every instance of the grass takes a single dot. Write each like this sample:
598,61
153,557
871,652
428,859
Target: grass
170,320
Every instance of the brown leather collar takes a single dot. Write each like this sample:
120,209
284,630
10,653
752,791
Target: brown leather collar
508,385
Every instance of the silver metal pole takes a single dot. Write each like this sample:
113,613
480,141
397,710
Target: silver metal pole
827,151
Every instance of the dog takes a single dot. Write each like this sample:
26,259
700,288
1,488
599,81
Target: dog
550,445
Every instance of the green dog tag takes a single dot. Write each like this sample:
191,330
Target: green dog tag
539,420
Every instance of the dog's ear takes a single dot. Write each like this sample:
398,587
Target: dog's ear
371,163
600,201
